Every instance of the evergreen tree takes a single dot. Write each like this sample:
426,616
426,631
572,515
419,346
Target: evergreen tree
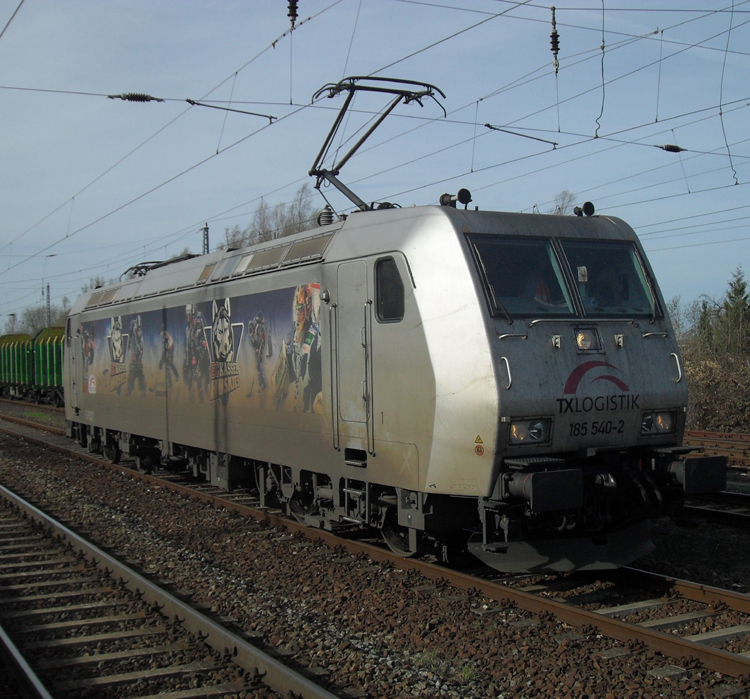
732,325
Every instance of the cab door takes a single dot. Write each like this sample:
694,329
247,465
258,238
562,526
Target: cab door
72,353
353,328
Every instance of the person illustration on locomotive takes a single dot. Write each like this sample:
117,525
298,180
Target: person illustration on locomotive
117,342
300,356
308,341
167,355
88,347
135,371
196,364
256,329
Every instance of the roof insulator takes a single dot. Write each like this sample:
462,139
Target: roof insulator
292,14
325,217
555,42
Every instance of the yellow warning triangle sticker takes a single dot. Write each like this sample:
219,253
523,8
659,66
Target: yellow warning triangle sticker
478,440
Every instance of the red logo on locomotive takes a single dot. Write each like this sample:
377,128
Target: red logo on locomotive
625,400
571,385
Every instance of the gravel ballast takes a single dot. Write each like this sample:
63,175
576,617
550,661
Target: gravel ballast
372,629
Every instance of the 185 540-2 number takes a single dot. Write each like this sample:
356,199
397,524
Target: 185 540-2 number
581,429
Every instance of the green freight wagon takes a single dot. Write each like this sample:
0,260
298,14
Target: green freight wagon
47,351
16,365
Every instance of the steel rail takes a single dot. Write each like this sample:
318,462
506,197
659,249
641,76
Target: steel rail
42,406
705,594
35,425
710,506
669,644
30,686
275,674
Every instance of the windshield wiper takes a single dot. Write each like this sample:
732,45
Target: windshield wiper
499,304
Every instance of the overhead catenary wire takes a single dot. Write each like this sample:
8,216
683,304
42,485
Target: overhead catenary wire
515,83
162,128
12,17
584,156
475,120
206,159
516,5
721,95
702,13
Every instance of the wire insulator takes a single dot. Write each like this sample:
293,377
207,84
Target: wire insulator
292,14
135,97
671,148
555,42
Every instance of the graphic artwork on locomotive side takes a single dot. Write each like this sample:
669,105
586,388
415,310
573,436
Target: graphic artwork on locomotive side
259,350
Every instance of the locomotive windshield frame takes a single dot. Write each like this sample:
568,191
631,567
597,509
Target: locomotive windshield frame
610,278
522,276
549,277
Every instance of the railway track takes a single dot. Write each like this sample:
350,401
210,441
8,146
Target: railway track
82,623
41,406
633,607
726,507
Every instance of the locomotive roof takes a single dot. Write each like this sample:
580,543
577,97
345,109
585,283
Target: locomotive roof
361,234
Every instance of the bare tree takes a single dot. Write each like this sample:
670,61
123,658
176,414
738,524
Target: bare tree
10,324
270,223
564,202
34,318
95,283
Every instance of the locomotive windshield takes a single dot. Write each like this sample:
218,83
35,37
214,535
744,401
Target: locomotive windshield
609,278
522,276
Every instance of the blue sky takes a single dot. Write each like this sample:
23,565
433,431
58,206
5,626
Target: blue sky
90,185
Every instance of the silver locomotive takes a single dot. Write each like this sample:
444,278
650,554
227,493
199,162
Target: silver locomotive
501,383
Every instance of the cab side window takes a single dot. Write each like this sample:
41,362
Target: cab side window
389,291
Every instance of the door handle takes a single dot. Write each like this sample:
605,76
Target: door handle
507,368
679,368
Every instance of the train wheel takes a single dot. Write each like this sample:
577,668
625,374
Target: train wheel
95,444
397,537
144,463
112,453
301,508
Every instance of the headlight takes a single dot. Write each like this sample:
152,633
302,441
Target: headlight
587,339
658,423
530,431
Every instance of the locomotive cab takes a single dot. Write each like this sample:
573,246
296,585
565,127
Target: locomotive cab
591,396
